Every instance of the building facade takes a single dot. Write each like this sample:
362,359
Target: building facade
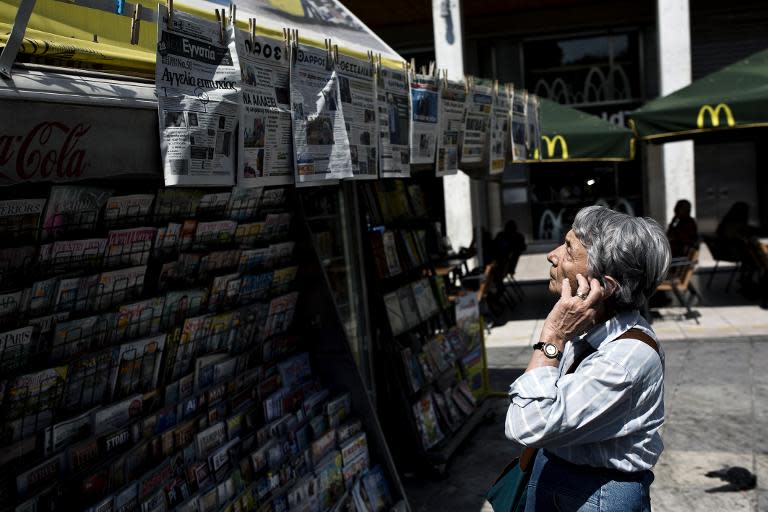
606,58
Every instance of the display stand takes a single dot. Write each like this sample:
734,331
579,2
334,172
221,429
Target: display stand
176,349
423,361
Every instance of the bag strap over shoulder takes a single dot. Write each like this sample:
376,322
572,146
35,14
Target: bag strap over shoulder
637,334
528,454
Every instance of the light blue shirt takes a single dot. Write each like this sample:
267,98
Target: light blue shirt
607,413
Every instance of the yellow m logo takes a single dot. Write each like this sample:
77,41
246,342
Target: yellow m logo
551,146
714,115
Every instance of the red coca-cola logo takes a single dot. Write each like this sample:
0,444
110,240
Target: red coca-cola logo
48,150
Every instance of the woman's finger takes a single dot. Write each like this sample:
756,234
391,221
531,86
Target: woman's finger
565,291
583,288
595,293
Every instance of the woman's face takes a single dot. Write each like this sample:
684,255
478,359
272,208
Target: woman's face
567,260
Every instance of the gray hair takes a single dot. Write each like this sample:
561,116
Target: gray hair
633,250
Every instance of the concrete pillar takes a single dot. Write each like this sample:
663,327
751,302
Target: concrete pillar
676,159
449,55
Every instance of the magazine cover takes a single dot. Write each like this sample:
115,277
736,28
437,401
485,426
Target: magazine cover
519,125
129,209
30,400
112,417
177,204
73,208
139,318
426,421
425,117
244,202
129,246
20,218
377,489
182,304
476,127
15,348
394,313
425,298
394,107
408,306
453,110
118,286
358,104
412,369
390,253
138,366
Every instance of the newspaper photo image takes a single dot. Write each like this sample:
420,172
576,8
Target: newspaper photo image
265,146
479,106
393,99
453,109
519,125
358,104
320,140
424,118
198,91
499,142
533,122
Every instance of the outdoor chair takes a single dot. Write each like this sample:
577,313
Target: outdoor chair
510,275
678,281
730,251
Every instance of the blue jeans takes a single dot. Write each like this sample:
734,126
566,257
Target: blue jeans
559,486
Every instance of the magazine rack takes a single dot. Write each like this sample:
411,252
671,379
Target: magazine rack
398,345
168,365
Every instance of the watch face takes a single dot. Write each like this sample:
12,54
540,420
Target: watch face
550,350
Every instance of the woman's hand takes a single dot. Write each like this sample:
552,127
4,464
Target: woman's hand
574,314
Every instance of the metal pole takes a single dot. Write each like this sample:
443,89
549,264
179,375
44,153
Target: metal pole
11,49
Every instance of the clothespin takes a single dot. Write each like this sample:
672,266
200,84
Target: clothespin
95,38
221,18
170,14
233,13
335,54
252,31
135,23
432,68
328,64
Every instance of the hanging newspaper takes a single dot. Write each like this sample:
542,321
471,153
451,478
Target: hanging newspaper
479,106
320,144
499,141
533,122
358,104
424,118
198,95
394,118
519,126
265,149
453,109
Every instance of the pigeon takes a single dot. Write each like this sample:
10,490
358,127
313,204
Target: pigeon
738,478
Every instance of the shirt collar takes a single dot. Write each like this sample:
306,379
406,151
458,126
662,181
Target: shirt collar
611,328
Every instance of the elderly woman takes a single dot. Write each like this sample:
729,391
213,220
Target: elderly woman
592,397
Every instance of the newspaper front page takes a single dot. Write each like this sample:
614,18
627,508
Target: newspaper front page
479,106
394,124
424,119
358,103
533,121
453,109
265,147
321,147
519,125
499,140
198,93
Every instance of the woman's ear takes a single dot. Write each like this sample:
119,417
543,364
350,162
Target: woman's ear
611,286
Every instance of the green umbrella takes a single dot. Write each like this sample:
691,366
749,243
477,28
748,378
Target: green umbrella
734,97
569,135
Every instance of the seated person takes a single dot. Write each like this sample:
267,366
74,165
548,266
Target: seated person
682,233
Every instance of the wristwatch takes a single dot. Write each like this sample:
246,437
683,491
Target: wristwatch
550,350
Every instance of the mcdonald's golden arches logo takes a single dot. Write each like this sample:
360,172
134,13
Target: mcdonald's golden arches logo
714,115
551,143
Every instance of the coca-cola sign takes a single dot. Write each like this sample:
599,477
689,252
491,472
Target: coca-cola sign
49,142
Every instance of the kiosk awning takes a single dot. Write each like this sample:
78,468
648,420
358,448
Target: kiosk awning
734,97
97,33
569,135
